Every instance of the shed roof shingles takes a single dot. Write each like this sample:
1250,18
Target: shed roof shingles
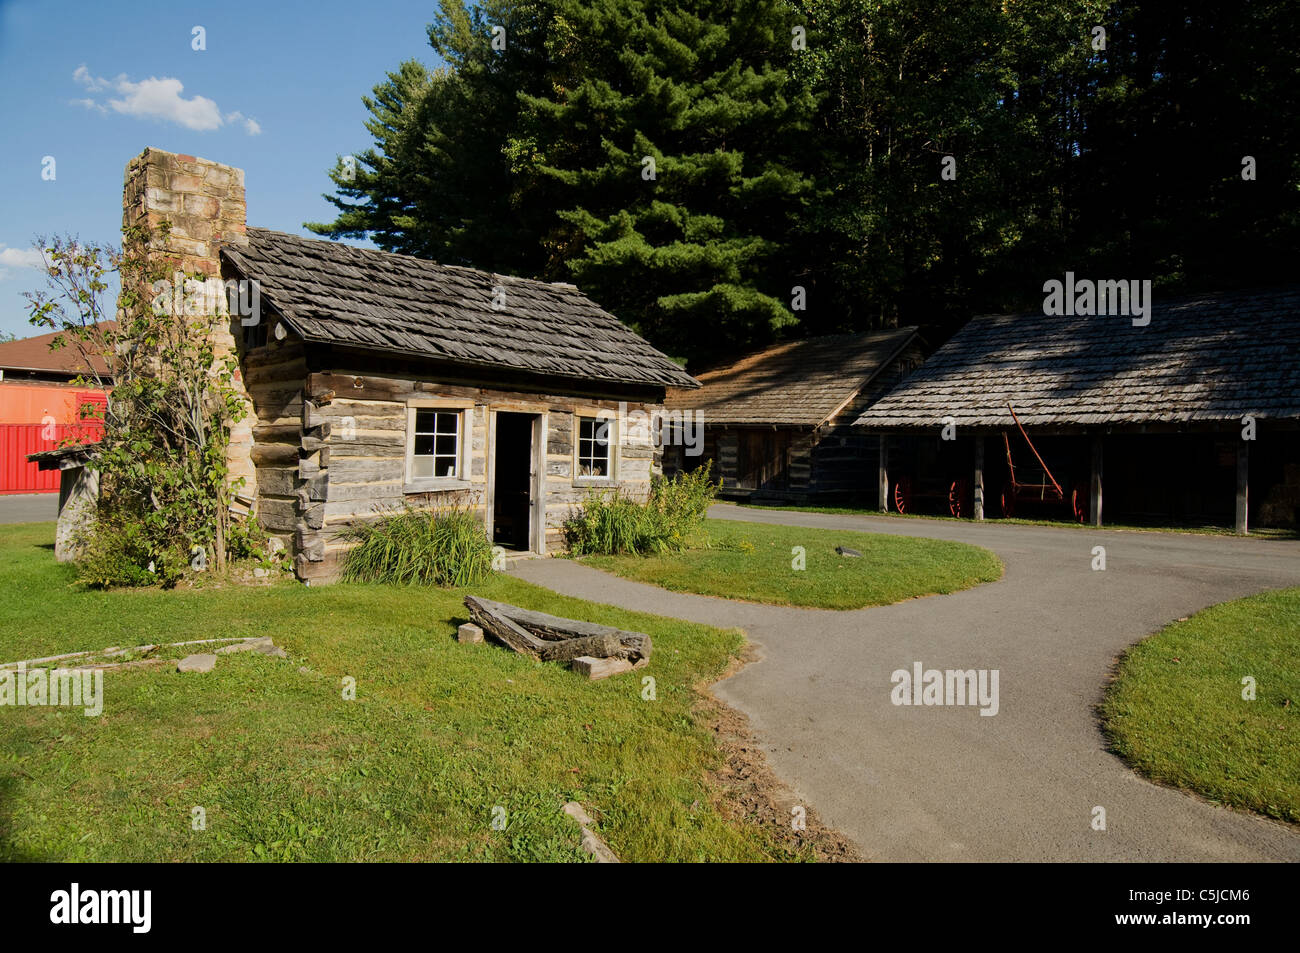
798,383
358,297
1205,358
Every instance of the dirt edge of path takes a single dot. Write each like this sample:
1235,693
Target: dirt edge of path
748,789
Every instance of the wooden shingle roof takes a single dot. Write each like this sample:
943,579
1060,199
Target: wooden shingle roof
1213,357
356,297
799,383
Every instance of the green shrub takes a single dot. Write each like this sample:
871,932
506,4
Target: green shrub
441,547
116,551
686,498
610,524
246,540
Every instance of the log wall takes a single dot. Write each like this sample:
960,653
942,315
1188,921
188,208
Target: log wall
273,377
350,455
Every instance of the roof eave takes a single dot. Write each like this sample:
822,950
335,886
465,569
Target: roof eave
872,376
288,318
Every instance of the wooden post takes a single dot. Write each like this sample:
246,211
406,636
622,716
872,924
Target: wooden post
883,465
1243,487
1094,494
979,477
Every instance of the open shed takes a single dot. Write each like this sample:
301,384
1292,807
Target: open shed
1192,418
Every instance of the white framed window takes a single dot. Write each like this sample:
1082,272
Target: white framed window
436,444
594,443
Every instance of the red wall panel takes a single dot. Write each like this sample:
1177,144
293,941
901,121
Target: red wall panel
17,475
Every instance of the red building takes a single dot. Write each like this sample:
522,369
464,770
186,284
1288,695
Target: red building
41,408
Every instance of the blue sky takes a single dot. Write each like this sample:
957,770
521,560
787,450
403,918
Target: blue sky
277,92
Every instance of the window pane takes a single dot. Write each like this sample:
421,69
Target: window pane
435,444
594,438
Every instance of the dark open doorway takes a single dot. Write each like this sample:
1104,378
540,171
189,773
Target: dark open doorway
763,459
512,495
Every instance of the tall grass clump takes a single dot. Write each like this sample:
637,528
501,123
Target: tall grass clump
610,524
440,547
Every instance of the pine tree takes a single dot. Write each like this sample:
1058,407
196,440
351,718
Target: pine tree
672,137
530,157
437,182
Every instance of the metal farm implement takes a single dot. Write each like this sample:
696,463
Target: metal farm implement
1042,488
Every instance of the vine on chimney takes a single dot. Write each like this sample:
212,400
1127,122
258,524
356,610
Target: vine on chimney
165,492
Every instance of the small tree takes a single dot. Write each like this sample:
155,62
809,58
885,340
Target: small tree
162,459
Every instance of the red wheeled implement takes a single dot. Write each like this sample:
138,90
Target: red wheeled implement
1045,491
957,492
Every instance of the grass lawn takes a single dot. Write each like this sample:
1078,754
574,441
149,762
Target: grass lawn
1256,532
1176,713
754,562
439,735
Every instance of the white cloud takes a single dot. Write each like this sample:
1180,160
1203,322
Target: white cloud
82,76
156,98
18,258
251,126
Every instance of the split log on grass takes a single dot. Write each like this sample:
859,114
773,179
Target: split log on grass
552,638
493,623
596,646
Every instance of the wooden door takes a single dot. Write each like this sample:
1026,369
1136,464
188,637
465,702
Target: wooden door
763,458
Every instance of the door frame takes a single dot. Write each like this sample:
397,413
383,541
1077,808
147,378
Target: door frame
537,475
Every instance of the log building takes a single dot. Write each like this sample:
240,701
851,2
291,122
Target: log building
778,423
375,380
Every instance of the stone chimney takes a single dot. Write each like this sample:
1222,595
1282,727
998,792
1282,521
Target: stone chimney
204,203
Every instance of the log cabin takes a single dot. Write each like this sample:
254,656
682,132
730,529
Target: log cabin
777,424
375,380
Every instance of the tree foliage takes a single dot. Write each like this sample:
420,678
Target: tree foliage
1116,153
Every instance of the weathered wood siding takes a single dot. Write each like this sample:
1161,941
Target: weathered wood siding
846,458
273,377
351,460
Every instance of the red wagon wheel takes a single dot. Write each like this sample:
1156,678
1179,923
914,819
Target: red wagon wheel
903,495
1008,500
957,497
1079,502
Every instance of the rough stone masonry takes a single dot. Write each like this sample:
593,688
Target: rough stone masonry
204,202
